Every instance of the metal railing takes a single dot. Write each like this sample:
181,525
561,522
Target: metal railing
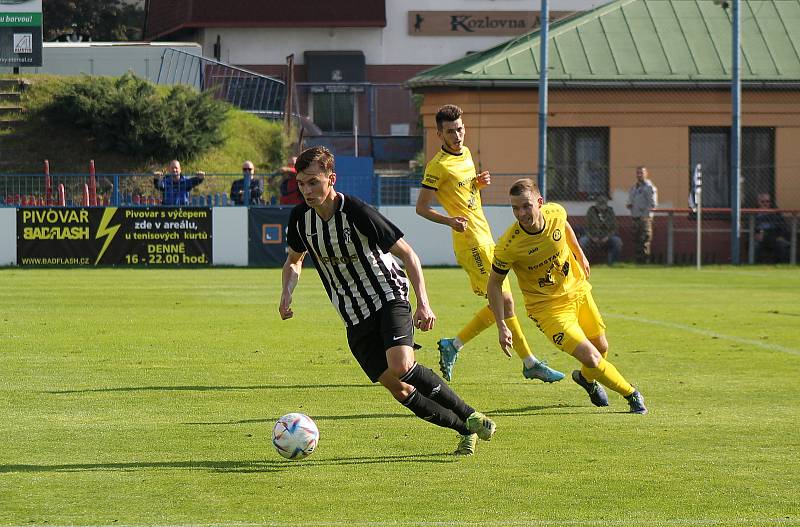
117,189
247,90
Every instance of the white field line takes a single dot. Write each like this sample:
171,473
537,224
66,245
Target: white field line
707,333
460,523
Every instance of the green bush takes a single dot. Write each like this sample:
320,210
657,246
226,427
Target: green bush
129,116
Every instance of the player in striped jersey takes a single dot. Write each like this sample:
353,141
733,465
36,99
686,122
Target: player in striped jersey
451,177
353,248
553,273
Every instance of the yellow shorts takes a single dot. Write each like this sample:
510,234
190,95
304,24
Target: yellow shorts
567,324
477,262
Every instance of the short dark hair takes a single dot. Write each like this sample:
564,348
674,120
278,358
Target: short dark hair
316,154
449,113
521,186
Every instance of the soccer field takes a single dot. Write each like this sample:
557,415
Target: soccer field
147,397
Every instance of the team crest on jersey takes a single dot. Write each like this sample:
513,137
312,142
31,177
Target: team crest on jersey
557,234
558,338
346,233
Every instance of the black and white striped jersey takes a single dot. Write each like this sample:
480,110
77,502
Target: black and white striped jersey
351,254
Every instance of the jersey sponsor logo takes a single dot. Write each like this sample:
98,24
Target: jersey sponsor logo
533,250
548,277
558,338
565,268
339,260
557,234
544,262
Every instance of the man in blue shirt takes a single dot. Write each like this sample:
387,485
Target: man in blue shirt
175,187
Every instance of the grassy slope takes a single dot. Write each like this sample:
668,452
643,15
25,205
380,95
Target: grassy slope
139,397
69,150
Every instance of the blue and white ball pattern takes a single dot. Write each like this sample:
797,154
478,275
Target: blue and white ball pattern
295,436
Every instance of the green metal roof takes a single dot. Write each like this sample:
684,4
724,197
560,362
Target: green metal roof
636,42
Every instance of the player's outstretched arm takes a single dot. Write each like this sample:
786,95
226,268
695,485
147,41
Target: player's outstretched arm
424,209
424,318
494,292
289,278
575,247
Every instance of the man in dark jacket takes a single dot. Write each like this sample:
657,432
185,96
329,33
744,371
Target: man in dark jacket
601,230
256,186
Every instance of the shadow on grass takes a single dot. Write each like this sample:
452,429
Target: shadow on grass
200,388
204,388
526,410
533,410
316,418
245,466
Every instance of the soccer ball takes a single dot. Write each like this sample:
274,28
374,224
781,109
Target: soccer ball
295,436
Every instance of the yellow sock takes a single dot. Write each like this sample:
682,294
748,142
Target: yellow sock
520,342
482,320
608,375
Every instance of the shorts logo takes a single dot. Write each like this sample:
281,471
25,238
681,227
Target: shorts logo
557,234
558,338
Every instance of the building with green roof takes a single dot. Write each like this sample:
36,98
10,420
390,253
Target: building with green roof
635,82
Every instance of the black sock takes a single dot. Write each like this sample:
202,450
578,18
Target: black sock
434,412
434,388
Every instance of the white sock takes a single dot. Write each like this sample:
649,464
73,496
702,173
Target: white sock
530,361
457,343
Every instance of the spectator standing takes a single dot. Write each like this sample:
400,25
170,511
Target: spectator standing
290,193
256,186
642,198
772,233
175,187
601,230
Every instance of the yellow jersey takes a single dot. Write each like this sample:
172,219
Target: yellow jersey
454,179
544,264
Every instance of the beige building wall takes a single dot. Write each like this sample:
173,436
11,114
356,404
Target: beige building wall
787,177
648,128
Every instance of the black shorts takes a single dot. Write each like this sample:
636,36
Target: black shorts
392,326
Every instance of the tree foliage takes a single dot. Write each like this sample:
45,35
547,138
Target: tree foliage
128,115
97,20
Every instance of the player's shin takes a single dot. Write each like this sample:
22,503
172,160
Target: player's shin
434,388
435,413
607,374
520,343
482,320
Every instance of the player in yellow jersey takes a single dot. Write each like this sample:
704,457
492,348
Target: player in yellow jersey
553,273
452,178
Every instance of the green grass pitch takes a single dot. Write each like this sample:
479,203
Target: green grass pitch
146,397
